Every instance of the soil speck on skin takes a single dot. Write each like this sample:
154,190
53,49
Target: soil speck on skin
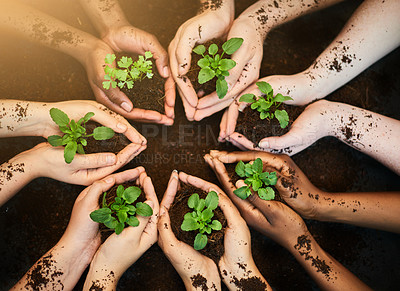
199,281
210,5
251,283
8,171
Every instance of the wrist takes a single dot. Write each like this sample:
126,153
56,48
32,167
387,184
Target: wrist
225,10
101,274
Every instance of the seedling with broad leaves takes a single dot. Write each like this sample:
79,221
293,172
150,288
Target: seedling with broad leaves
264,103
256,180
128,72
74,137
121,212
200,218
214,65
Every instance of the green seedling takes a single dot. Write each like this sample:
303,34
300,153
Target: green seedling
200,218
128,72
74,137
121,212
213,65
256,180
264,103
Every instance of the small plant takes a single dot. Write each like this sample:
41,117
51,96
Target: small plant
200,218
128,72
121,211
213,65
264,103
74,137
256,180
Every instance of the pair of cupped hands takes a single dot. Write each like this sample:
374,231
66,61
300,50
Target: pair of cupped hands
271,218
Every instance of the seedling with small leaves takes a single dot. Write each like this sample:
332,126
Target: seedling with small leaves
256,180
121,212
74,138
214,65
200,218
128,72
264,103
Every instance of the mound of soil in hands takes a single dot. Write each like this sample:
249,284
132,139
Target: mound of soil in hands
215,244
146,93
194,70
255,129
114,145
110,198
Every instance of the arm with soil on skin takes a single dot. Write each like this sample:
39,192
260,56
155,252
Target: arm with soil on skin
372,32
328,273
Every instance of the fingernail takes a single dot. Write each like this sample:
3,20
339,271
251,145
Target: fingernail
122,126
166,72
263,144
109,180
175,171
212,189
126,106
110,159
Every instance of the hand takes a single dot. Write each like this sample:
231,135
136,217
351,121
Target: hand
119,252
114,98
46,161
185,259
210,24
77,109
271,218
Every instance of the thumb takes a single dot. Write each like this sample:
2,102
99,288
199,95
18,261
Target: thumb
93,161
294,137
116,96
183,55
166,234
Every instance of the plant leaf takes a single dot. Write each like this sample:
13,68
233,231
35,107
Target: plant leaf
257,166
222,88
241,192
103,133
266,193
280,98
226,64
232,45
70,151
282,117
131,194
193,201
148,55
201,205
212,200
189,223
80,149
59,117
55,140
120,190
111,223
264,87
205,75
239,169
207,214
216,225
133,221
122,216
119,228
101,215
213,49
203,63
248,98
125,62
200,49
200,242
256,184
143,209
109,59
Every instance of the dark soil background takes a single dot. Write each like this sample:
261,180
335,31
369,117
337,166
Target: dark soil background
35,219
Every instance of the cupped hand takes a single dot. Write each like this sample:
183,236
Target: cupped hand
271,218
119,252
185,259
45,160
210,24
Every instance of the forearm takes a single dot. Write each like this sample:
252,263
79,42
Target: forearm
46,30
244,274
328,273
101,276
377,210
225,9
371,133
372,32
105,15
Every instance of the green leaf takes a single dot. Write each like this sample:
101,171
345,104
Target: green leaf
280,98
83,142
193,201
101,215
269,178
256,184
133,221
131,209
129,84
226,64
143,209
241,192
131,194
213,49
264,114
87,116
201,205
232,45
203,63
282,117
248,98
248,169
125,62
212,200
111,223
122,216
216,225
109,59
119,228
103,133
239,169
106,85
200,242
257,166
222,88
120,190
70,151
121,75
80,149
55,140
264,87
207,214
148,55
104,199
205,75
189,223
118,200
200,49
266,193
59,117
